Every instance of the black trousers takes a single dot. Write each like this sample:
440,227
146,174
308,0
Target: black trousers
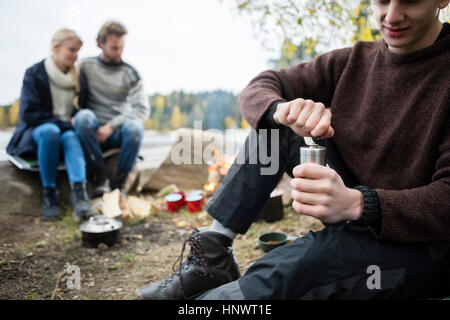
342,261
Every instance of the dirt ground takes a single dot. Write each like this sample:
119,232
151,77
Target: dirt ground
35,254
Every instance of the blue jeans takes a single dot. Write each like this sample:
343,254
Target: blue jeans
128,138
49,140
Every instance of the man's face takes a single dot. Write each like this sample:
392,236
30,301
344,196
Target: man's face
408,25
113,48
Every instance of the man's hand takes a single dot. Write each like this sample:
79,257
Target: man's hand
104,132
305,117
319,191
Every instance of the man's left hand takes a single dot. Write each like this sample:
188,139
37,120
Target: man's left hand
104,132
319,191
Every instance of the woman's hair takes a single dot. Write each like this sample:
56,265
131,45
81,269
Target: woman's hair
62,35
110,27
58,38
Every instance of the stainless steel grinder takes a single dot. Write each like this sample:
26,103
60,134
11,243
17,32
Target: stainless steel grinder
313,153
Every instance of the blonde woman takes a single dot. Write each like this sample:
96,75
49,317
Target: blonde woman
52,92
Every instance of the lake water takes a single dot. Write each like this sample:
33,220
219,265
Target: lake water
156,145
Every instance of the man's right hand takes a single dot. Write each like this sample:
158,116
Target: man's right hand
305,117
104,132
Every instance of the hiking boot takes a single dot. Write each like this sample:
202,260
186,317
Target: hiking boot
80,200
209,265
100,184
50,204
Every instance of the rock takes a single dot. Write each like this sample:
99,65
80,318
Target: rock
102,247
21,191
41,244
187,163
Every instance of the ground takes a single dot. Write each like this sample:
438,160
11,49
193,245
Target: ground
34,254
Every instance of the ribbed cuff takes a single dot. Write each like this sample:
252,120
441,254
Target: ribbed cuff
267,121
371,215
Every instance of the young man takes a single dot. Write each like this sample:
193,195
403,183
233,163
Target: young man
117,108
384,197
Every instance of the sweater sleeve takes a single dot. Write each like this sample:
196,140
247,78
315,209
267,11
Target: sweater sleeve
139,103
313,80
423,213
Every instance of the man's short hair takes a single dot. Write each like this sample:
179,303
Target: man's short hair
111,27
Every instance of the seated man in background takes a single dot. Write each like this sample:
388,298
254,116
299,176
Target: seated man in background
117,108
384,197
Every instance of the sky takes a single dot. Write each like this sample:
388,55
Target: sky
195,45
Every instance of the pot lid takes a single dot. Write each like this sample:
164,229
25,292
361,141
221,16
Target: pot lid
100,224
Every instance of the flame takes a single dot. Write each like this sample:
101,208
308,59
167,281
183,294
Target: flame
213,168
223,163
210,188
217,171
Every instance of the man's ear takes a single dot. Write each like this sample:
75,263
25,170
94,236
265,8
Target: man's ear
443,4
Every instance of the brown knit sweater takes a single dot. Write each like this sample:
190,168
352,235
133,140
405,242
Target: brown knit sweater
391,121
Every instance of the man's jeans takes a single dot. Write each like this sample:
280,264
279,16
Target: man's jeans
49,139
128,138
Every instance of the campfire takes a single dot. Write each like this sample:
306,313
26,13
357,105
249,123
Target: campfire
210,188
216,172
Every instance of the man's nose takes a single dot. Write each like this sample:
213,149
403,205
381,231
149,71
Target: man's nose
395,13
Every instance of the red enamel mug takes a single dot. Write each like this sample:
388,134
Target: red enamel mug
174,201
194,202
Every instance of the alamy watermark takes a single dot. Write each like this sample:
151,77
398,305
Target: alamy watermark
74,277
261,147
73,17
374,280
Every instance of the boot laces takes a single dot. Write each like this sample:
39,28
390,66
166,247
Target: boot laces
196,256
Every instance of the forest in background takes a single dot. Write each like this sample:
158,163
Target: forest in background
216,109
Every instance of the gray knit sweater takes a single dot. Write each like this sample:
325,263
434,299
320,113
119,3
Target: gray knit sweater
116,92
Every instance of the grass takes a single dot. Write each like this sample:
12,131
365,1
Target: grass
129,257
149,249
114,266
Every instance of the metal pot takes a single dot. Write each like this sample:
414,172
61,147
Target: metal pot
100,229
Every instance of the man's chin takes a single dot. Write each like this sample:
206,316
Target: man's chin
397,45
112,59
